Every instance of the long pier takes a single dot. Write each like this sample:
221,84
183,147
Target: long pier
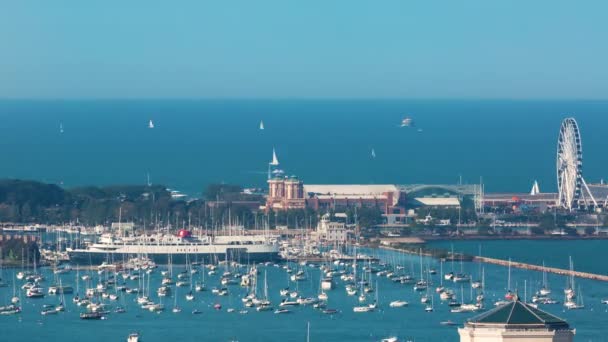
532,267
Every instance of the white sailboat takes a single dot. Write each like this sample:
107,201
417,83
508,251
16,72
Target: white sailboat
545,290
373,153
265,304
275,160
535,189
261,125
150,124
176,308
61,128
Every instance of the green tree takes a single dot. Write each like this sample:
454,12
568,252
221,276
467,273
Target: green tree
369,217
589,231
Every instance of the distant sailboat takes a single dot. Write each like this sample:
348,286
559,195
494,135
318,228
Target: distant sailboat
261,125
535,189
373,153
275,160
272,166
150,124
61,128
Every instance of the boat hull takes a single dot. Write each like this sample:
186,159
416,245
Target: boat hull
93,257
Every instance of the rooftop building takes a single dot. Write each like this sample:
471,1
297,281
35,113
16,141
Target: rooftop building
516,321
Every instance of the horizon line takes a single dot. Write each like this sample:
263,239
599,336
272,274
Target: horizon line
244,98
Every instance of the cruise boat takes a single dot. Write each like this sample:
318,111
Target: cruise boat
407,122
159,247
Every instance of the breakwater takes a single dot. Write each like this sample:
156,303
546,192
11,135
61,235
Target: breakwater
532,267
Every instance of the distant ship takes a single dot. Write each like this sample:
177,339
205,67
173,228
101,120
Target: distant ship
61,128
261,125
150,124
407,122
162,247
373,153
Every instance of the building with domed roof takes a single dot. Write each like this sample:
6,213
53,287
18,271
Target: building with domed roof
516,321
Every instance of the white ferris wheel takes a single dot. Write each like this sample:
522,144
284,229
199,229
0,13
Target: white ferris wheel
572,188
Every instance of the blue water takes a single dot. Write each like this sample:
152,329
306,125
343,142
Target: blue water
410,323
587,255
508,143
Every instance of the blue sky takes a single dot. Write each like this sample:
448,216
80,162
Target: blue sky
283,48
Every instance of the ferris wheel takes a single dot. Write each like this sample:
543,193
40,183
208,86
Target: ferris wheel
570,181
569,164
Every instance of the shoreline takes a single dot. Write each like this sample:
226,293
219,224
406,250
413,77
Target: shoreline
511,237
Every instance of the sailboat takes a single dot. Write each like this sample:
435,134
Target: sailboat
373,153
322,294
150,124
176,309
261,125
569,290
421,285
275,160
265,304
15,299
571,304
509,295
430,308
61,128
545,290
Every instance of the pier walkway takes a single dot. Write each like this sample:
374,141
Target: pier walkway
531,267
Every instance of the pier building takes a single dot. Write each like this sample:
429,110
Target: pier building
285,193
331,231
516,321
340,197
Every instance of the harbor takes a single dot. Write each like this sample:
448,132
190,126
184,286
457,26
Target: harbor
283,296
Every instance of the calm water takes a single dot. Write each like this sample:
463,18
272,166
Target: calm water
587,255
408,323
509,143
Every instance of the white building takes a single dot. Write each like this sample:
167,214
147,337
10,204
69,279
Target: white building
516,322
331,231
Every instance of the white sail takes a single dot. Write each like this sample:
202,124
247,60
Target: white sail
535,189
373,153
150,124
275,160
261,125
61,128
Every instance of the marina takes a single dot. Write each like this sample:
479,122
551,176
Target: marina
223,294
325,171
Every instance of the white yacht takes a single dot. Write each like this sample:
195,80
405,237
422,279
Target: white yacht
159,247
407,122
398,304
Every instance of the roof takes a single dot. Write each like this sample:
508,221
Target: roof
351,197
438,201
519,313
353,191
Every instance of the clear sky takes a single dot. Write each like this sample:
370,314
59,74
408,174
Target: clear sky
311,48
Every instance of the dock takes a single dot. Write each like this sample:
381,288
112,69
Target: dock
318,259
531,267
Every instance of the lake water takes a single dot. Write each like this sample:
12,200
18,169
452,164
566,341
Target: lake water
194,143
409,323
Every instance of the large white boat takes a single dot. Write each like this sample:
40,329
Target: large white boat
159,247
407,122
